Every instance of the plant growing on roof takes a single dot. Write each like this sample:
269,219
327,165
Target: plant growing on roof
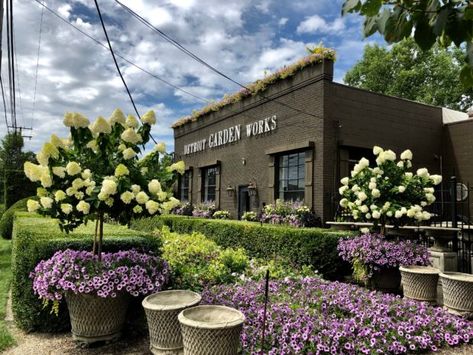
389,192
96,172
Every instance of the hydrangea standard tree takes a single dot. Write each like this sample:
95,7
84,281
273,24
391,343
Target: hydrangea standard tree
389,192
96,173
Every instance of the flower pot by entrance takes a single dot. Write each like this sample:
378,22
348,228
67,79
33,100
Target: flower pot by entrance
457,292
162,309
420,282
211,330
95,318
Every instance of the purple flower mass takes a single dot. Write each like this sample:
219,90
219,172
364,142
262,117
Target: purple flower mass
374,251
313,316
80,272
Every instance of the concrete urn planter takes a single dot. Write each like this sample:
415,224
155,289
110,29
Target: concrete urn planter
95,318
420,282
211,330
458,292
161,310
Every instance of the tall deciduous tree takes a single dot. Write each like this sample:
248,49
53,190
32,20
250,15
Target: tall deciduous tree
14,185
427,21
431,77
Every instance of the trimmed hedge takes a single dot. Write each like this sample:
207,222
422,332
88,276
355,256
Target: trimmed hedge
36,238
6,220
300,246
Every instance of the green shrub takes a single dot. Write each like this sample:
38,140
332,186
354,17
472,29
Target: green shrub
2,209
316,247
6,222
196,260
36,238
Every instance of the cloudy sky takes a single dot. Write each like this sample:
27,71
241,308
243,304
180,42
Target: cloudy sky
242,38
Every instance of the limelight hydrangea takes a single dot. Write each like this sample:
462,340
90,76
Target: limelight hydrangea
32,205
160,147
73,168
142,197
154,187
127,197
128,153
149,118
179,167
117,117
130,136
66,208
83,207
121,170
101,126
388,182
131,121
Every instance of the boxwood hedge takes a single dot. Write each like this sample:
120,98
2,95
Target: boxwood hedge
36,238
6,219
300,246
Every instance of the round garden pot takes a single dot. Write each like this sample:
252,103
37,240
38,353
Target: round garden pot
211,330
420,282
386,280
457,290
95,318
161,310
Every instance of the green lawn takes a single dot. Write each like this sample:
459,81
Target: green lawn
6,339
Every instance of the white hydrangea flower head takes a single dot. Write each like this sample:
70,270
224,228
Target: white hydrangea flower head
32,205
400,164
121,147
69,119
179,166
128,153
135,188
86,174
436,179
362,196
423,172
46,202
109,187
344,202
73,168
406,155
79,120
92,144
50,150
152,207
377,150
137,209
142,197
154,187
342,189
42,158
127,197
121,170
364,208
149,117
376,214
160,147
57,142
131,136
46,179
59,171
389,155
344,181
77,183
117,117
162,196
131,121
66,208
59,195
32,171
109,202
401,188
83,207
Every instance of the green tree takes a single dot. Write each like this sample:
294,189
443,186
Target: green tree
431,77
13,182
427,21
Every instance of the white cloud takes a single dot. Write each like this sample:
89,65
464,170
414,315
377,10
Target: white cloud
316,23
282,21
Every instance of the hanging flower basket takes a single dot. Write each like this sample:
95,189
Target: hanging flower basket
457,290
211,330
420,282
162,309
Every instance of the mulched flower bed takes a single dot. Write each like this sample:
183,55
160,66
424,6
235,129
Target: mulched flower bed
313,316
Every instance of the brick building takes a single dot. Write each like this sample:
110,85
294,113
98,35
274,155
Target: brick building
297,138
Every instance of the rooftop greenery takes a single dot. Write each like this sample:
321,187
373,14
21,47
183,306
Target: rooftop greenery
316,55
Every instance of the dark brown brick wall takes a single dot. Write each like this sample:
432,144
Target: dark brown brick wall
458,152
360,118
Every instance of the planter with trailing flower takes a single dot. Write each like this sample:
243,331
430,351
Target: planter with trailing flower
96,174
375,260
97,294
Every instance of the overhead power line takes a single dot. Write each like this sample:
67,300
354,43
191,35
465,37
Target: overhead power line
121,56
118,67
1,60
11,71
179,46
37,65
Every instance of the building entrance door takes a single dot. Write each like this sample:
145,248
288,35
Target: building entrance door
243,200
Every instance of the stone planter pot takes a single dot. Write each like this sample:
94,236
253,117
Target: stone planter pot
420,282
95,318
211,330
401,233
161,310
386,280
457,292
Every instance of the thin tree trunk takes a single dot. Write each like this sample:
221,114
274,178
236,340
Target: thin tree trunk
100,236
94,248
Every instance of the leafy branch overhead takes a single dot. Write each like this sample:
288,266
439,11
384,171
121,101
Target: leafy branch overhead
428,21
